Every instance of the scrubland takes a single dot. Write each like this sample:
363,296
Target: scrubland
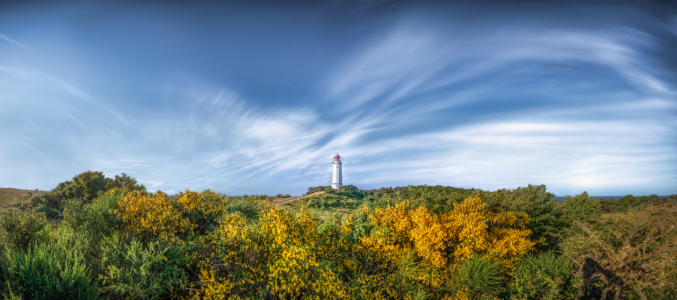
108,238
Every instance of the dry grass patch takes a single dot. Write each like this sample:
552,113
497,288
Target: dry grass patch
13,197
280,200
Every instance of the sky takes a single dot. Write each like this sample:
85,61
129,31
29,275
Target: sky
256,97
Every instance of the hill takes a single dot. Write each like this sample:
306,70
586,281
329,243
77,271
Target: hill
10,197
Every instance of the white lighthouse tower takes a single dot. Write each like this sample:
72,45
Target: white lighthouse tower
337,179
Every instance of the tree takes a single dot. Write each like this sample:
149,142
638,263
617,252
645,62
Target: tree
582,208
124,182
534,200
84,187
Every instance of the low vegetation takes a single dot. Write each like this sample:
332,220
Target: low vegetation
94,237
13,198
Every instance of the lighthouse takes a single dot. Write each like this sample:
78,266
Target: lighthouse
337,179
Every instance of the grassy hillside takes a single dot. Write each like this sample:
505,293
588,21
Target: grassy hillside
10,197
326,205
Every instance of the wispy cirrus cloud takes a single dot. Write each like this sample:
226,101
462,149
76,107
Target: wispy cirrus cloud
14,42
420,97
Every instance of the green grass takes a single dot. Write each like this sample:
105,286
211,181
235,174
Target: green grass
327,205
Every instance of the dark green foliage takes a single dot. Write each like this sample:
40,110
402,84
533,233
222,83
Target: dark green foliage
94,218
544,276
84,225
350,191
437,199
84,187
83,242
544,212
46,273
282,196
361,225
146,272
21,229
329,190
327,201
581,207
607,205
123,182
481,276
628,201
315,189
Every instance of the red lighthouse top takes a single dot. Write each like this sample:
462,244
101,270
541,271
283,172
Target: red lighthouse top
337,156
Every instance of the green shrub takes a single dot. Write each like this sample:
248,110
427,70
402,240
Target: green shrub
83,242
94,218
21,229
540,205
86,187
46,272
123,182
350,191
544,276
326,201
50,213
148,272
316,189
249,207
480,277
437,199
582,208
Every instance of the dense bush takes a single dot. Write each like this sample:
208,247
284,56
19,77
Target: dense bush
96,219
315,189
132,269
479,278
581,208
153,217
401,252
545,213
329,200
350,191
21,229
437,199
46,272
631,256
544,276
108,238
84,187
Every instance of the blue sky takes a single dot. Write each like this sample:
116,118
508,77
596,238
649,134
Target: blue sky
256,97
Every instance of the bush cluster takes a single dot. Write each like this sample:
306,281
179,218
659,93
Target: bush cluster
100,238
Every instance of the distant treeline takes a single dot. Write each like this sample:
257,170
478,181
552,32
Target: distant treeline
444,196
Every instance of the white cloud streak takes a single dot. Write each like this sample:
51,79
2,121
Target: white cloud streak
14,42
212,136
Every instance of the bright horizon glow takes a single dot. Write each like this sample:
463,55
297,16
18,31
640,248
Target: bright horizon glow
257,98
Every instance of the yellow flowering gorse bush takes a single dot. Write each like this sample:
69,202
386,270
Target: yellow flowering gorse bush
152,216
406,249
470,228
